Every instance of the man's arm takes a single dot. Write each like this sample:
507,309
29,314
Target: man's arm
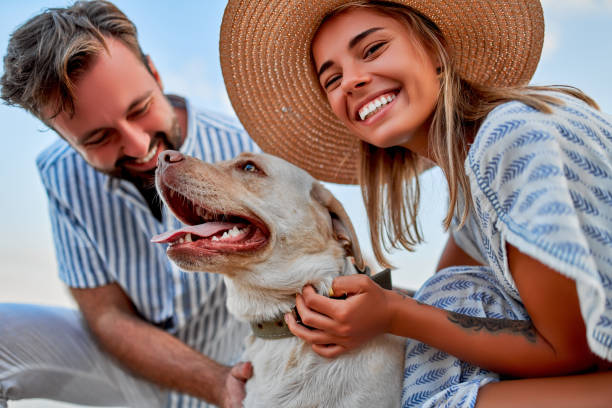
155,354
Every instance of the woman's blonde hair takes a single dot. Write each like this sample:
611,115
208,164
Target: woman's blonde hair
389,176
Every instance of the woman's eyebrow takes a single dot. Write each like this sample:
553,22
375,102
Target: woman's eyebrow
361,36
354,41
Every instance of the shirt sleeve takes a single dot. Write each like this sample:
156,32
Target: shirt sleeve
543,183
79,263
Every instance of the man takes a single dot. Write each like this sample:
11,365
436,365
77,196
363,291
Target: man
148,334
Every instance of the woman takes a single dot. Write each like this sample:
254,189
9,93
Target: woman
525,282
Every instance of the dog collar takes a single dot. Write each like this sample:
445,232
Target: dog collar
278,329
271,329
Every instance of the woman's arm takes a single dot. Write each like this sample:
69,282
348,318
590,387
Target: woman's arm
453,255
592,390
554,343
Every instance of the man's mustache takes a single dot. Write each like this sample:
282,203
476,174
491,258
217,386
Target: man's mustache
154,141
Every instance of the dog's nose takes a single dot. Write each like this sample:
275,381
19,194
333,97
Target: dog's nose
170,156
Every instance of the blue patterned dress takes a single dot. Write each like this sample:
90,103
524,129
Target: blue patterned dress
543,184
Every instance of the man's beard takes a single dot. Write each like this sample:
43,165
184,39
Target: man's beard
171,139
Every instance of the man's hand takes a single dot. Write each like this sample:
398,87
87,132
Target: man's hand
234,390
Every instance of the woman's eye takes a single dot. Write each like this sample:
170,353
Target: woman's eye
332,81
373,49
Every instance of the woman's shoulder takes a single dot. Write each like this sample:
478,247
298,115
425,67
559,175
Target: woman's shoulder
521,155
514,128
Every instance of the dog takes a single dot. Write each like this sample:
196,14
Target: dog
270,229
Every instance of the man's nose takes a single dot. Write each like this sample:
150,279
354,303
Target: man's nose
136,142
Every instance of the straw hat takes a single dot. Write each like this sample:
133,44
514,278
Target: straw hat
270,79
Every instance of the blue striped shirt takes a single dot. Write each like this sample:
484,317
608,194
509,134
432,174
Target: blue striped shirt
102,227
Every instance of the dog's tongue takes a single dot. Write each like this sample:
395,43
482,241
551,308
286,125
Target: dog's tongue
203,230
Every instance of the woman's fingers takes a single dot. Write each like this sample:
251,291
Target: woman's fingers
350,285
312,336
317,303
335,326
311,315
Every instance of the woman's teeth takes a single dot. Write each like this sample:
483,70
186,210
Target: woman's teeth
373,107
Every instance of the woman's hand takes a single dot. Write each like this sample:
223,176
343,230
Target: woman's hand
341,325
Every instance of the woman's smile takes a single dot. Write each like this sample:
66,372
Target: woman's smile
375,106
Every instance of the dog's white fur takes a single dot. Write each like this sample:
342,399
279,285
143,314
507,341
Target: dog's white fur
310,242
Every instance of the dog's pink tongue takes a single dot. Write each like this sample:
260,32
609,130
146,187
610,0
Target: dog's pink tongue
203,230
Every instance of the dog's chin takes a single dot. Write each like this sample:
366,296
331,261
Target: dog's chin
224,257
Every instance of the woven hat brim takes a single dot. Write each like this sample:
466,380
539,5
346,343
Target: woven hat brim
268,73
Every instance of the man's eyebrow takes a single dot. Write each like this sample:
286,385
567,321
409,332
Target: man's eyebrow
134,104
354,41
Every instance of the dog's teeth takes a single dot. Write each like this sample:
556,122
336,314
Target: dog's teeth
188,238
181,240
234,232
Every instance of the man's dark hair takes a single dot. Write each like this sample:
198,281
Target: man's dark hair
47,54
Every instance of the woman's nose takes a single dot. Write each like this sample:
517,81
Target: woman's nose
354,79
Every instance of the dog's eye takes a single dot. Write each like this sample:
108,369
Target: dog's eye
250,167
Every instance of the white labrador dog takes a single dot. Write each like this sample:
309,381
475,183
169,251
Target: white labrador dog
270,229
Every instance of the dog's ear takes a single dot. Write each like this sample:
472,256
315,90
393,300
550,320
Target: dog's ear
341,224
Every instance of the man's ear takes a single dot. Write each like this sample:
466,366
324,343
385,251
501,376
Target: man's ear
154,72
341,224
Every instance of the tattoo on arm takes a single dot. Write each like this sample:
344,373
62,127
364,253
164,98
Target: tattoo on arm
521,327
405,293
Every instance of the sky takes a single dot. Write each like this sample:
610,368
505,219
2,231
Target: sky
182,40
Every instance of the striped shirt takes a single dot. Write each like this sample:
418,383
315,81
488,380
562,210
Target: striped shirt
102,227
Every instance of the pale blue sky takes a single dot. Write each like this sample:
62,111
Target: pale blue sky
182,39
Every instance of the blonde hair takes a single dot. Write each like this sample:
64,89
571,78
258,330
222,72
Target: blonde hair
389,176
